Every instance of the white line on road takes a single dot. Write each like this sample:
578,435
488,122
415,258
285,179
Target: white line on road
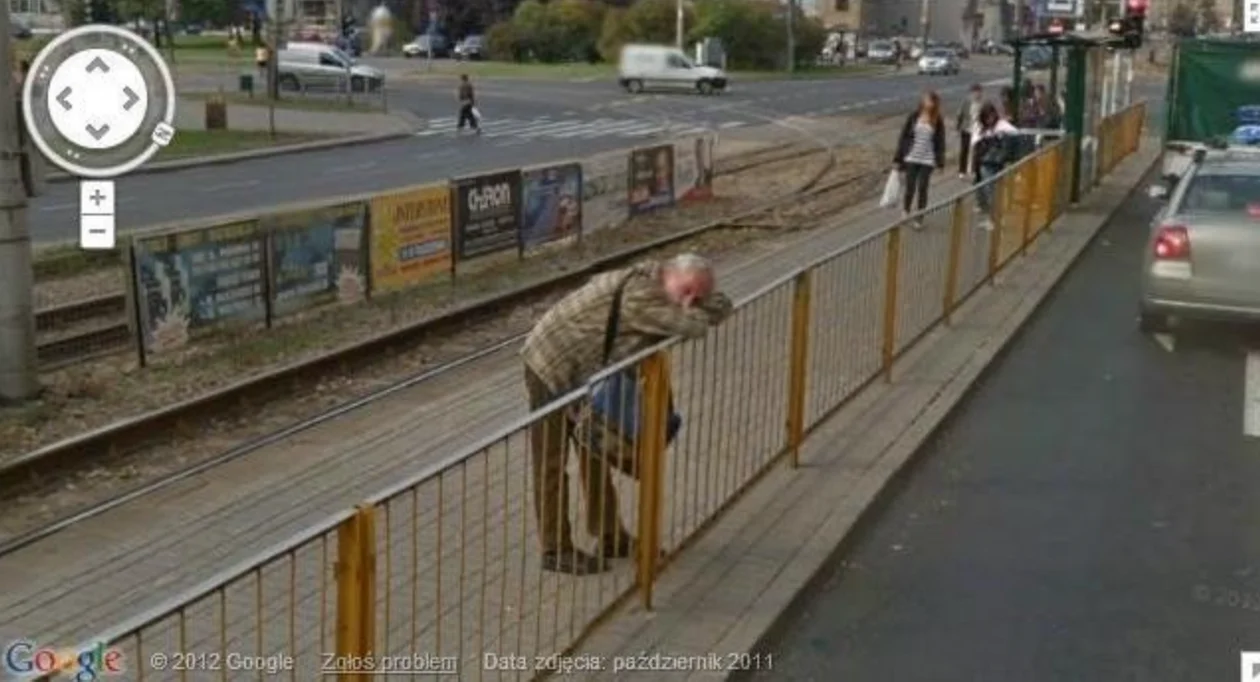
350,169
231,185
1251,396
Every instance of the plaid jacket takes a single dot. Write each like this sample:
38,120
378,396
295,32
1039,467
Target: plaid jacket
566,346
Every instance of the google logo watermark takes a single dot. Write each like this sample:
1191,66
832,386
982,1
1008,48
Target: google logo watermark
27,659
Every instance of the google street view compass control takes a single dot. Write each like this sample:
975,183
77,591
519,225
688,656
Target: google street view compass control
99,102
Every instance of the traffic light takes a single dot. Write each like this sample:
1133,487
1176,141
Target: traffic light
1130,28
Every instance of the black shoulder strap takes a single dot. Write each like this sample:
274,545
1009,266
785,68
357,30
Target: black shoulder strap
614,318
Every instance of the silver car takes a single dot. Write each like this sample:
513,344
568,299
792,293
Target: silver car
1203,255
939,61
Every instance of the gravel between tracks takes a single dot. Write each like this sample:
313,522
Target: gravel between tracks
86,397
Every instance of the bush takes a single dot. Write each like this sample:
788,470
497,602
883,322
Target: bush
503,44
562,30
646,21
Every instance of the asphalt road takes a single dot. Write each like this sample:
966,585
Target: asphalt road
527,123
1090,514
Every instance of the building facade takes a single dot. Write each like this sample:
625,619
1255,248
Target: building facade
895,17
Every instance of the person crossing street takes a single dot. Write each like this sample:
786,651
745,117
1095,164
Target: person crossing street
467,105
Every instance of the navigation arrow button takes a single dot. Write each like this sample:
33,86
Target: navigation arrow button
61,99
97,133
98,64
132,98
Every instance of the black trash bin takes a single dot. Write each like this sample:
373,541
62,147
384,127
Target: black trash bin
247,83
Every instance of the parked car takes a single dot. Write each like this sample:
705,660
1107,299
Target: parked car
939,61
420,47
959,49
471,48
1201,258
21,31
643,67
316,66
881,52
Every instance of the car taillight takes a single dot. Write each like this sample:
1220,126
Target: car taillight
1172,242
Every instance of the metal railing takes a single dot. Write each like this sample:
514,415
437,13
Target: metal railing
442,573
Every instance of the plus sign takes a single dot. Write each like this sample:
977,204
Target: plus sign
97,197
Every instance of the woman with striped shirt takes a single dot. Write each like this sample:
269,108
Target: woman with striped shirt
920,151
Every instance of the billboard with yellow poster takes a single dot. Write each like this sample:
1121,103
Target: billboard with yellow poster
410,237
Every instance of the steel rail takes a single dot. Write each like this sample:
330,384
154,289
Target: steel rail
133,432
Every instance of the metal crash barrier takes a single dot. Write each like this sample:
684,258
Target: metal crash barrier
442,572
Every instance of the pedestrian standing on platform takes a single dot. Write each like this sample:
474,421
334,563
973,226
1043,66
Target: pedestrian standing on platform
992,149
611,317
467,105
968,117
920,151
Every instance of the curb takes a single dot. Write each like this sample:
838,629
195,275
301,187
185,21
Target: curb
220,159
873,490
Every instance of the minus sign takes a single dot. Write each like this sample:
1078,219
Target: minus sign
98,231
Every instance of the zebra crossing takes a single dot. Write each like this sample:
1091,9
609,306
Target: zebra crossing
546,127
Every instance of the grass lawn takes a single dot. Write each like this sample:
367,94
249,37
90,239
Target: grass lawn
362,102
574,71
192,143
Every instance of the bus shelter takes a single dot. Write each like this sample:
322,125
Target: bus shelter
1076,67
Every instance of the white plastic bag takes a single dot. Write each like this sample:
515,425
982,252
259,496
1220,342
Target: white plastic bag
892,190
476,115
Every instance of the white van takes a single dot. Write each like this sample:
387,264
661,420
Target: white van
660,66
315,66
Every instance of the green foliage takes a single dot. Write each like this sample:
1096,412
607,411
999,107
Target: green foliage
557,31
613,34
753,31
213,12
503,44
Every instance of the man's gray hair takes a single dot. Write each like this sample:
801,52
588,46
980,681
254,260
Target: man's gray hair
690,262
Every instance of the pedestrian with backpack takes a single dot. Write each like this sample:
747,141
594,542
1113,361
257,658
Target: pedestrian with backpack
993,148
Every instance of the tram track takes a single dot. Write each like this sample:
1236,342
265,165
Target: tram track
134,434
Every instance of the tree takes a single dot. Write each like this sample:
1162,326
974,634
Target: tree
212,12
1183,22
753,36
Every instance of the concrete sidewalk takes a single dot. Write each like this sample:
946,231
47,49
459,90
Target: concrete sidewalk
726,590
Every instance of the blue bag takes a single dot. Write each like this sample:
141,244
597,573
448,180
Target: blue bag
614,405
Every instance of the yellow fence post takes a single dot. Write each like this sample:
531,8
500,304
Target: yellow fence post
655,411
356,587
1030,200
998,220
798,371
958,221
891,261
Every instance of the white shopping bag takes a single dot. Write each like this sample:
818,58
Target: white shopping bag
476,115
892,190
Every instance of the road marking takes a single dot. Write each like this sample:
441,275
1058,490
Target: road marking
349,169
731,124
1251,396
1166,341
230,185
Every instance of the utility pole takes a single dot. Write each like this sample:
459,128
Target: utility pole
1017,19
925,21
18,380
680,24
791,36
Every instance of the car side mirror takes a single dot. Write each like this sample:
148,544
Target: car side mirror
1159,192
